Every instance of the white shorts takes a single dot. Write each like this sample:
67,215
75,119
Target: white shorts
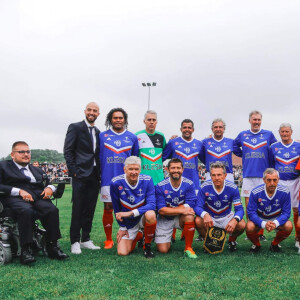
105,194
229,177
222,222
249,184
294,187
132,232
164,229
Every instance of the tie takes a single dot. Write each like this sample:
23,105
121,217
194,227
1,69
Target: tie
23,171
91,134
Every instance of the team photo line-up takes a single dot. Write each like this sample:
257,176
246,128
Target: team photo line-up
128,171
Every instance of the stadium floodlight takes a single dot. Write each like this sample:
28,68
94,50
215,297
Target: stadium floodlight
148,84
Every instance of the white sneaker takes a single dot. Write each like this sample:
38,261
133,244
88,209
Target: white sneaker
75,248
297,245
89,245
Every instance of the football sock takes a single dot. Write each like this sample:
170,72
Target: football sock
174,234
297,229
149,231
232,238
107,221
261,232
280,236
138,237
253,237
189,231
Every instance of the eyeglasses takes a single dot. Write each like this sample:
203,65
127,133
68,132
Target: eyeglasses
22,152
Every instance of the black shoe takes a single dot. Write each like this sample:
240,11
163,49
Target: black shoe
54,252
182,238
147,251
275,248
232,246
26,257
173,240
255,249
262,238
199,238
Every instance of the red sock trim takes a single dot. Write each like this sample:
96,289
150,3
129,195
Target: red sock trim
149,231
189,231
107,221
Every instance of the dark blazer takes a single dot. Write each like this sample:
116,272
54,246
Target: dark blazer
11,176
78,150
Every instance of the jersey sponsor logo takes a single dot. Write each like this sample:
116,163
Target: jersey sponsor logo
287,161
158,143
206,194
166,192
254,147
105,135
140,192
185,156
116,150
120,188
219,155
126,139
123,193
276,202
194,146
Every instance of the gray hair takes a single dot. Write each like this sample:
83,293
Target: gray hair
270,171
152,112
132,160
285,125
216,121
255,112
217,165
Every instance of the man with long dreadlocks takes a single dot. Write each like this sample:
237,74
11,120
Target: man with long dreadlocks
116,144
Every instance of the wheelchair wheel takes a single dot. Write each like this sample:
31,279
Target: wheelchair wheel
5,254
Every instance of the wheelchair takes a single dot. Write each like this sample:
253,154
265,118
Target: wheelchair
10,246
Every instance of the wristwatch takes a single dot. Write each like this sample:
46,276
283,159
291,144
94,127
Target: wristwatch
237,219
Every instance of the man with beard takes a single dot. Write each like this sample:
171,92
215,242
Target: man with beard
81,151
116,144
175,201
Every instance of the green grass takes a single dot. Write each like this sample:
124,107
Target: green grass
104,275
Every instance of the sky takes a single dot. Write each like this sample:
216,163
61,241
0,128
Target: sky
209,58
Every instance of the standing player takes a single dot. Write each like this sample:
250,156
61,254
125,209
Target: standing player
151,145
116,144
133,199
175,200
284,157
214,203
255,145
188,150
269,207
219,148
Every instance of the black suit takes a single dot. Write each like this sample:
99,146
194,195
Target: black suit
80,158
27,212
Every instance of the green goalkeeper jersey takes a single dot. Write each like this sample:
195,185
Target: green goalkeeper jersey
151,147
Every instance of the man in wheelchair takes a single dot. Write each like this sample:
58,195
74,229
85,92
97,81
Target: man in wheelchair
25,190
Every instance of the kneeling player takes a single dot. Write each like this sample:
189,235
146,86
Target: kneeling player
214,204
133,199
269,207
175,199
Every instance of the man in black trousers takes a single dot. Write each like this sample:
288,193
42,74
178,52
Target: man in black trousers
25,190
81,151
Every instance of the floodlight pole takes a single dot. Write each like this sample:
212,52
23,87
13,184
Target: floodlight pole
148,84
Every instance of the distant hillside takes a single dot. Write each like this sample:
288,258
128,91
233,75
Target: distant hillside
42,156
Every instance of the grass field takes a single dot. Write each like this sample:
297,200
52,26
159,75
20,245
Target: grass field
103,275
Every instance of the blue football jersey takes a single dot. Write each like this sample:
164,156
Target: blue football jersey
261,206
255,147
284,159
219,204
114,149
188,152
168,196
139,198
214,150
